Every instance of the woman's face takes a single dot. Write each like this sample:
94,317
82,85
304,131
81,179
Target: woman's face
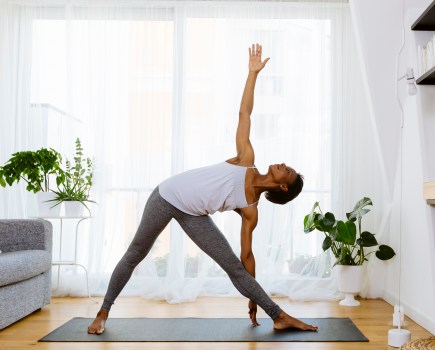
283,174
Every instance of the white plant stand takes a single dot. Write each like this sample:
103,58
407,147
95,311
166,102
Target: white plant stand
350,280
61,262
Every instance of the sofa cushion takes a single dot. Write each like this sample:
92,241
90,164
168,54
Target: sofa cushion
23,234
22,265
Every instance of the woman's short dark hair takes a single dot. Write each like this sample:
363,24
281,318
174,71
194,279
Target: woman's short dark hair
281,197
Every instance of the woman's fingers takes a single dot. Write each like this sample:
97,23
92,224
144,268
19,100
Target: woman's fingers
253,317
255,50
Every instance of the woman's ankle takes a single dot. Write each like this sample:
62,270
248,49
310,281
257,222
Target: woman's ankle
103,313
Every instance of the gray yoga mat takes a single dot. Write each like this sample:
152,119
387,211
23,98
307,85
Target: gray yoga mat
204,330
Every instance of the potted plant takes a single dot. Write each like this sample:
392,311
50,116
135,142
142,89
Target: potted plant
350,245
74,184
34,168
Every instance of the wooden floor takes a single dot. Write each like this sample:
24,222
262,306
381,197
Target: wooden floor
372,318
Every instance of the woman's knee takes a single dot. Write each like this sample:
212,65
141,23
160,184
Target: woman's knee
132,257
235,269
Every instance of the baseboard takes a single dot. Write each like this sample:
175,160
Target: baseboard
416,316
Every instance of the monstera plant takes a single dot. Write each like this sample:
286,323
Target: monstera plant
346,239
350,245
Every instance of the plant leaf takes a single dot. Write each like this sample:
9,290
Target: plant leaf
329,220
385,252
367,240
323,223
327,242
346,232
2,180
358,211
310,218
307,228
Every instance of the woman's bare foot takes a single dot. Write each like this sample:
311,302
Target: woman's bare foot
97,326
284,321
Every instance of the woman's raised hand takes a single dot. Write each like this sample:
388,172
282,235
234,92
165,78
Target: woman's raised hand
255,63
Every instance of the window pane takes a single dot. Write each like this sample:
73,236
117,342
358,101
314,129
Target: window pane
110,83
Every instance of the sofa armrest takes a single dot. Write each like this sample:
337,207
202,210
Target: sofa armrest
25,234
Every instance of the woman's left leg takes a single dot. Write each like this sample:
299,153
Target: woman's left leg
203,231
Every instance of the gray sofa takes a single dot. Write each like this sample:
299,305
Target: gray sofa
25,268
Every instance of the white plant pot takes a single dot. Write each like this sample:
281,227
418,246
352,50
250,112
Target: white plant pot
73,209
44,207
350,280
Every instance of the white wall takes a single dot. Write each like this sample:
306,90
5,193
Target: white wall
378,27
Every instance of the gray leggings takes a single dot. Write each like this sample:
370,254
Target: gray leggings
206,235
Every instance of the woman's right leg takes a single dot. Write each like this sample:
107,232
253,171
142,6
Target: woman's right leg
155,218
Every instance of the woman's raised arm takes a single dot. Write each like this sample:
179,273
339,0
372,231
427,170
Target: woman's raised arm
245,152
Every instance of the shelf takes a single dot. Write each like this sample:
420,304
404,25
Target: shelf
427,78
429,192
63,217
64,262
427,19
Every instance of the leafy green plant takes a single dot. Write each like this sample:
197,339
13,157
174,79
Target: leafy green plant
34,168
346,239
75,181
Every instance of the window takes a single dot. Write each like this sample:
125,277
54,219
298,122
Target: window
154,96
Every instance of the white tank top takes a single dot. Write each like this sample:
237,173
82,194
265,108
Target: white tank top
203,191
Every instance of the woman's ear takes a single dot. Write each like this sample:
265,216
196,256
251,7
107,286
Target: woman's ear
283,188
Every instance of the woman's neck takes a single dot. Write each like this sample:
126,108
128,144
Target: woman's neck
262,183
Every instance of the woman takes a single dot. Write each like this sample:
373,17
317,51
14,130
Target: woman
191,196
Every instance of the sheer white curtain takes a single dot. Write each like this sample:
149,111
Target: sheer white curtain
15,131
153,89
